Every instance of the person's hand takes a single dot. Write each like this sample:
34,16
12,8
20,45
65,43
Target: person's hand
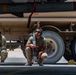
32,46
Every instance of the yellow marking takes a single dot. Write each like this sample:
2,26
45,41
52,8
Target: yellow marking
71,62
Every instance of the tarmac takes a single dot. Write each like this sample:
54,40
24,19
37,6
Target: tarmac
16,56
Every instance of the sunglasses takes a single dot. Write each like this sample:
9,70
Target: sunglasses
38,31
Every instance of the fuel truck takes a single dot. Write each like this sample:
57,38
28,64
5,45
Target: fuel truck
57,18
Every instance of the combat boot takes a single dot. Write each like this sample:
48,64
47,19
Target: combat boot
40,62
28,64
2,60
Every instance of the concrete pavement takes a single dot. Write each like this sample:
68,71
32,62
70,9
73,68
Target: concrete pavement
17,56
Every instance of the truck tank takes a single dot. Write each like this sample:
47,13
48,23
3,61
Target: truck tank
57,19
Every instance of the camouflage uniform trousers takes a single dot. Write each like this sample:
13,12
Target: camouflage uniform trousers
3,54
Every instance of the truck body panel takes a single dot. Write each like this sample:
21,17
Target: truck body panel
57,19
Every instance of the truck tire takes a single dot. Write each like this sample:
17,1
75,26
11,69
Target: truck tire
74,49
55,46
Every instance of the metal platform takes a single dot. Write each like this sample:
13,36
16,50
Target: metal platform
38,70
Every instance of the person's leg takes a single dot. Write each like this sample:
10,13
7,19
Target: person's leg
4,55
28,55
42,58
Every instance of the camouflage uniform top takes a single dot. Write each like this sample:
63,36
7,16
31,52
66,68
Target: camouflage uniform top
41,42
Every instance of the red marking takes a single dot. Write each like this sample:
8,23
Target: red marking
4,8
33,10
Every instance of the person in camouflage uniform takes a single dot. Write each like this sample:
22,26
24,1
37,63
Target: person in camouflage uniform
3,52
40,51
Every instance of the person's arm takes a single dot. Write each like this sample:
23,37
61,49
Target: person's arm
41,52
29,43
43,48
44,45
3,41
